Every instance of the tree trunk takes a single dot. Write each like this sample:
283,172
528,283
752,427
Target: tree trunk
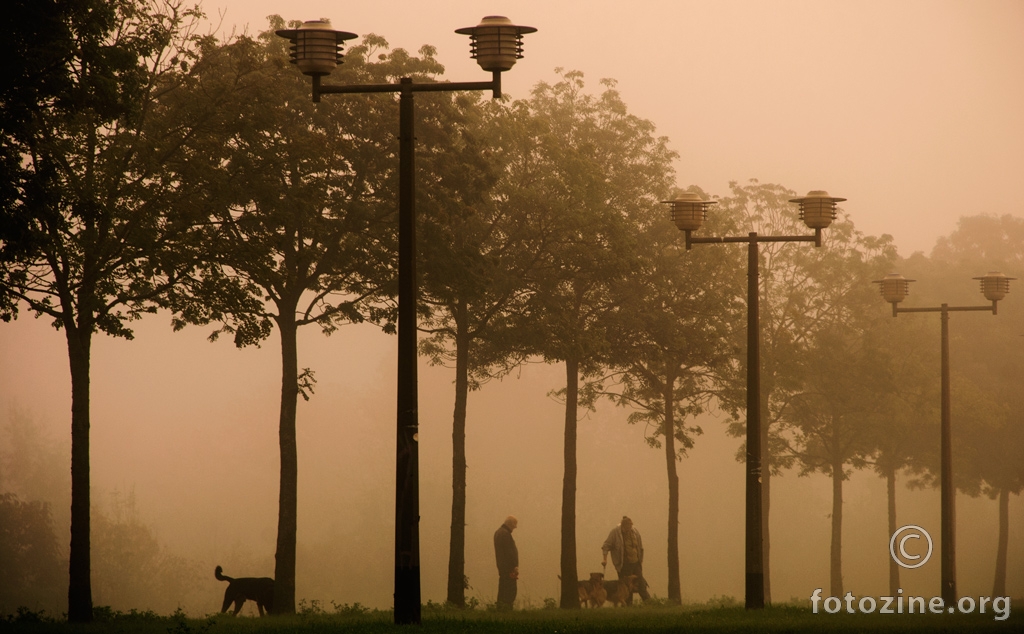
890,492
836,564
674,593
79,342
570,598
287,514
457,545
766,487
999,587
767,386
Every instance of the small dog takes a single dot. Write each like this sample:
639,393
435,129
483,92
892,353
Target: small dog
620,590
258,589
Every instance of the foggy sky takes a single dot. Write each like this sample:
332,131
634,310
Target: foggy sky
911,110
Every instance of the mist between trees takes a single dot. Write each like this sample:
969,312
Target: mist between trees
152,171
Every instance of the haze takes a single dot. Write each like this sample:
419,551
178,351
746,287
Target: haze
910,110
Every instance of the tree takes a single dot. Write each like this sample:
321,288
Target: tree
764,208
827,418
903,425
672,344
594,171
85,237
301,206
987,362
829,422
476,254
1004,446
797,299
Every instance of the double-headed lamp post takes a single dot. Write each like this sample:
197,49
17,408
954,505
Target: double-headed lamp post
817,210
496,44
895,288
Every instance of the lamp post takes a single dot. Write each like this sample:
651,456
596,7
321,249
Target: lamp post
895,288
496,44
817,210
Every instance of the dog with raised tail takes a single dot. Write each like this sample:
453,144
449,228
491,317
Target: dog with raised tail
258,589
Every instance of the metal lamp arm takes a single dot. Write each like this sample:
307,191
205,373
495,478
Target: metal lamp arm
494,85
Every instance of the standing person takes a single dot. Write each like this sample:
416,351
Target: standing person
507,556
627,551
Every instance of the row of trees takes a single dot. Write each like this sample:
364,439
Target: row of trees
147,167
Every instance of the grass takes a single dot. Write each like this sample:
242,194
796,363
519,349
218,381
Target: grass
727,617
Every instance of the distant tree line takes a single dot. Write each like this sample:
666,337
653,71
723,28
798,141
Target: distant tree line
148,167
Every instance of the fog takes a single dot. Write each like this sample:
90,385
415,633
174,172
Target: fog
911,110
191,428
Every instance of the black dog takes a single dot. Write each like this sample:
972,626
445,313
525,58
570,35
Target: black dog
258,589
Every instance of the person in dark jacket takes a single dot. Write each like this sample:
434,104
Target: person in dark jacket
627,551
507,556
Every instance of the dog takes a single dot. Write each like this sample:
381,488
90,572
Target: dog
583,588
258,589
591,590
621,590
596,594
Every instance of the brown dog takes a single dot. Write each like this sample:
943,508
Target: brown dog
258,589
591,590
596,594
620,590
583,587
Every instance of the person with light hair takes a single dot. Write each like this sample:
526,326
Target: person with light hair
507,556
627,551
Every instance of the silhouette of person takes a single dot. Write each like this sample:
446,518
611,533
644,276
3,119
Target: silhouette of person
627,551
507,556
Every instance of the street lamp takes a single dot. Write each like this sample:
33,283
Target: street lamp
496,44
817,210
895,288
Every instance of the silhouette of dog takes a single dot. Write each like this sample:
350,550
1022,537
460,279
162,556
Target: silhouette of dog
258,589
619,591
591,591
596,594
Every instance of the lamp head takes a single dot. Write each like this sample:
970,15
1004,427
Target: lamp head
995,285
496,43
689,211
316,47
894,288
817,208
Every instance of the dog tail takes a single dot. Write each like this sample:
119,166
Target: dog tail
221,577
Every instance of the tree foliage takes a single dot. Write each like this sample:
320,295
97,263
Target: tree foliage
85,234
